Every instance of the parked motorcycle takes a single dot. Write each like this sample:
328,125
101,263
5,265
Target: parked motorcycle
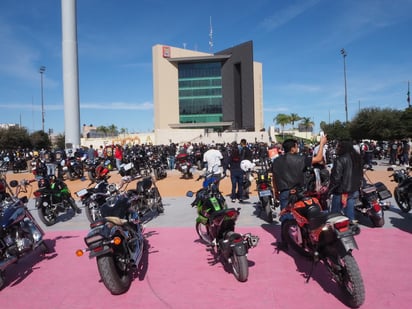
53,197
19,232
19,164
117,242
215,225
371,201
324,237
146,198
74,168
184,165
264,188
91,167
159,168
403,189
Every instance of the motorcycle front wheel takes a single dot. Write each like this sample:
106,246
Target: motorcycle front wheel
92,211
240,267
46,214
404,204
203,231
347,274
292,235
116,279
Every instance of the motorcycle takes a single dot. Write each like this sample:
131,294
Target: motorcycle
403,189
159,168
74,168
215,225
91,167
264,188
53,197
184,165
117,242
146,198
325,237
19,232
371,201
19,164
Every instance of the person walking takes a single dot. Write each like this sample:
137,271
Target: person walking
345,179
213,161
236,173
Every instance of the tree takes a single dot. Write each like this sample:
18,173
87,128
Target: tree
14,137
307,123
40,140
282,120
293,118
102,129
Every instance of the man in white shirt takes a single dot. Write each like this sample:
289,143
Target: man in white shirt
213,160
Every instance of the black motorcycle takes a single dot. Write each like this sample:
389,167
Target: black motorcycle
19,232
19,164
52,198
215,225
117,242
371,201
403,189
267,201
74,167
146,198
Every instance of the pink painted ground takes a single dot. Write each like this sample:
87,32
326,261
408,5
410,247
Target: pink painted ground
180,273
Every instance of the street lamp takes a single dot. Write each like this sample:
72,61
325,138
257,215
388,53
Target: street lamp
41,70
343,52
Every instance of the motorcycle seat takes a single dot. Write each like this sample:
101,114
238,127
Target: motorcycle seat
116,220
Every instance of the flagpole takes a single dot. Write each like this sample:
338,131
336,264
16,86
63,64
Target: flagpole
408,96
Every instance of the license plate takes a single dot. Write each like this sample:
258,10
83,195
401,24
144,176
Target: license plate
265,193
348,243
81,193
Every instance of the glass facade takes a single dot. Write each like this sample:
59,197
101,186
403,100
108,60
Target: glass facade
200,92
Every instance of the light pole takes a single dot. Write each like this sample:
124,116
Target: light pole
41,70
343,52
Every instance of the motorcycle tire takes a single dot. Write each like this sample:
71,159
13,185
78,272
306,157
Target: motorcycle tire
46,215
264,202
347,274
404,205
378,220
290,233
116,280
92,210
202,231
240,267
158,200
2,280
91,175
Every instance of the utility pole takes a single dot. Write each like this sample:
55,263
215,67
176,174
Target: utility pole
41,70
343,52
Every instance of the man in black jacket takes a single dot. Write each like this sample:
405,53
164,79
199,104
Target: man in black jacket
345,179
288,169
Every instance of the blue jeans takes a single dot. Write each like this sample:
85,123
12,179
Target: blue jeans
236,177
284,199
349,210
171,162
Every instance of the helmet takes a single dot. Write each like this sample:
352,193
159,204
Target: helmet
246,165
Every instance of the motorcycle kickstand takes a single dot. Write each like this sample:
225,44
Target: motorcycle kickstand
315,261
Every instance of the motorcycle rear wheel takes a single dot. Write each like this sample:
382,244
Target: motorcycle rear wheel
116,280
264,202
240,267
404,205
203,231
348,276
290,233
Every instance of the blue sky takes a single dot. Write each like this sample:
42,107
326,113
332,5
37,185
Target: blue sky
298,43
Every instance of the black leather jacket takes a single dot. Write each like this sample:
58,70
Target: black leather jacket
344,178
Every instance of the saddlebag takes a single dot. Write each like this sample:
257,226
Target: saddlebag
383,191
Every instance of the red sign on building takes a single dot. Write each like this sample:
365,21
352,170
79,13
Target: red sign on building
166,52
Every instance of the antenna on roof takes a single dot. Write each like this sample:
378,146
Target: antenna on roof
211,36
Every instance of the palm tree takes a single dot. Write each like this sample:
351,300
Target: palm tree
293,118
307,123
102,129
282,120
112,129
